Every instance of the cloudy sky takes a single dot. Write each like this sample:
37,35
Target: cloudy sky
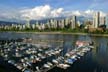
41,9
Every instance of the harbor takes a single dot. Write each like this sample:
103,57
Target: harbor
41,57
52,53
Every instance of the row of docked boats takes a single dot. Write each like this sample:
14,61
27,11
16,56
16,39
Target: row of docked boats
23,55
70,57
41,58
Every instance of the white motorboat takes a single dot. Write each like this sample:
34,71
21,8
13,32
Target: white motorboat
46,66
64,66
55,61
49,63
22,60
11,62
37,68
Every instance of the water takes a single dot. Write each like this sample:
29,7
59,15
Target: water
94,61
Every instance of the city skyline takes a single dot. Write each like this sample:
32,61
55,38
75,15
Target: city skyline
41,9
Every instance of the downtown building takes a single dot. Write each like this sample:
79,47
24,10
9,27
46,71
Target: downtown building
96,20
106,21
69,22
102,21
73,22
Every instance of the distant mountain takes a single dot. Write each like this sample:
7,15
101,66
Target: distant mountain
7,23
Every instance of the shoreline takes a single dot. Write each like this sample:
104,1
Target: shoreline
64,33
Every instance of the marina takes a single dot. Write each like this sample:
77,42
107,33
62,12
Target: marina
51,53
53,36
41,57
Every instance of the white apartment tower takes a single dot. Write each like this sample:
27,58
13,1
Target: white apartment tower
96,18
73,22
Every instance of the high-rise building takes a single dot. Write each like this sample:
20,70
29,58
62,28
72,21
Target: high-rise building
62,23
52,23
66,21
96,19
55,24
106,21
48,24
102,21
73,22
28,24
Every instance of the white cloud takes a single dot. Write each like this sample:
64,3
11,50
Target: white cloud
57,12
77,13
91,13
71,13
41,12
86,13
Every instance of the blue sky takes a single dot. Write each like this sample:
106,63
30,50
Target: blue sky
66,4
8,6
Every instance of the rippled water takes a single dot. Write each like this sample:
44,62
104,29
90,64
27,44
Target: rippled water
94,61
